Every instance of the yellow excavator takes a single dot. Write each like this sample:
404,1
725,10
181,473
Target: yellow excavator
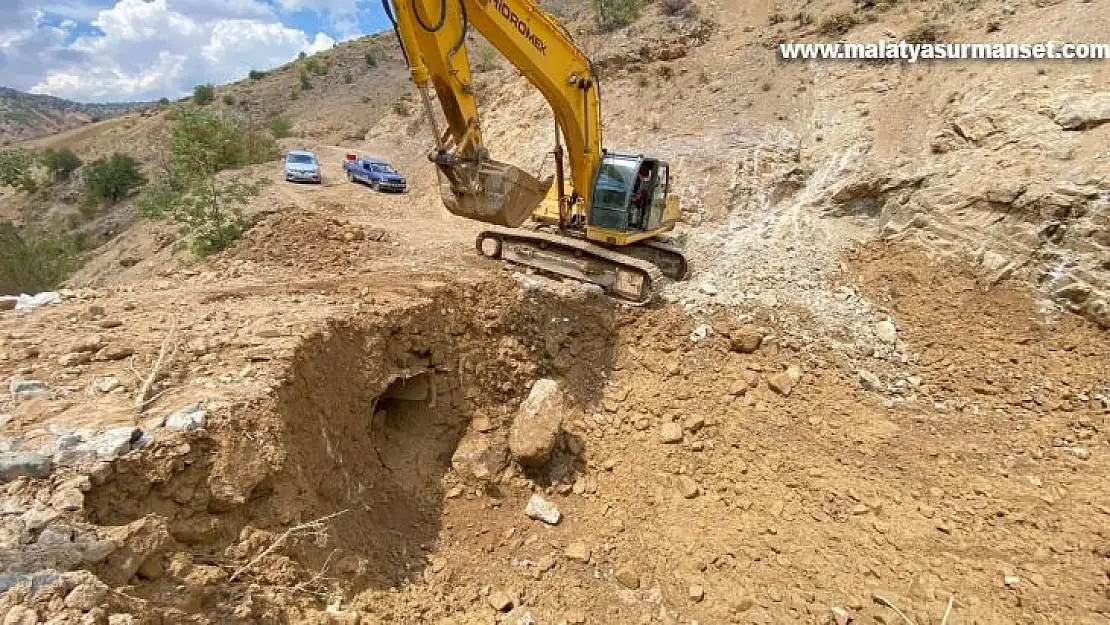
604,225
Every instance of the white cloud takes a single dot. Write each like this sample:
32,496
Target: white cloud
146,49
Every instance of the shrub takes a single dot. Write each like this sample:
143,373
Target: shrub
371,59
256,74
348,78
229,100
112,179
302,55
316,67
33,261
281,127
680,8
614,14
164,101
15,170
59,163
926,32
306,84
203,94
838,24
486,57
203,143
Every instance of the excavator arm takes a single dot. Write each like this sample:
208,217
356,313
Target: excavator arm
432,34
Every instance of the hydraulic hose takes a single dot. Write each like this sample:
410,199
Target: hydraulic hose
397,33
439,24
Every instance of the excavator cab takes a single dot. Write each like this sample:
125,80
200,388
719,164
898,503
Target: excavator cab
630,194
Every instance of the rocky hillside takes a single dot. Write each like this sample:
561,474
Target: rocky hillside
28,115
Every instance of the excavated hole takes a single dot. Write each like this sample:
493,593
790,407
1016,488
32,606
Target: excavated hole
367,421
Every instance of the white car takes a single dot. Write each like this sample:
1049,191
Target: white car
302,166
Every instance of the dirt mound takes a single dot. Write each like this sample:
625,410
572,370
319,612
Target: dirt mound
308,242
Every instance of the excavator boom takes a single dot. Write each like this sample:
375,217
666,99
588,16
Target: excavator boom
433,33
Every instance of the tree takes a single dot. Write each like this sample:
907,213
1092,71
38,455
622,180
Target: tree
256,74
203,94
114,178
59,163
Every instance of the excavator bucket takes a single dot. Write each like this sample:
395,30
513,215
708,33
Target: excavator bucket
491,192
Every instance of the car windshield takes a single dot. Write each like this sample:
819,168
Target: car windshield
303,159
382,168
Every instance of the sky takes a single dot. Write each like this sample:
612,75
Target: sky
142,50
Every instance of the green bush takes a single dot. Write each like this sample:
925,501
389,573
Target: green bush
281,127
256,74
614,14
229,99
316,67
306,83
59,163
16,170
112,179
680,8
164,101
207,208
371,59
33,261
838,24
203,94
348,78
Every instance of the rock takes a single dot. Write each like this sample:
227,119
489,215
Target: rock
1080,452
502,601
696,593
540,509
93,312
88,344
578,552
114,352
687,487
870,381
87,596
7,302
481,424
746,340
1012,581
480,455
21,615
886,332
708,288
135,543
188,418
537,425
627,577
26,389
112,443
784,382
106,384
1084,112
840,616
74,359
38,518
670,433
14,464
121,619
68,499
694,424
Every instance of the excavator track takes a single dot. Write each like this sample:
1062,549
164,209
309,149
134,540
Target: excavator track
666,257
624,277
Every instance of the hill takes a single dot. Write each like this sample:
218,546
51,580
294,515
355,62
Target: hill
29,115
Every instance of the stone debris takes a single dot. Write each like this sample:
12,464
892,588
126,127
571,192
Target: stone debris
687,487
869,381
746,339
502,601
540,509
784,382
15,464
840,616
112,443
537,425
480,456
26,389
578,552
886,332
670,433
628,577
696,593
188,419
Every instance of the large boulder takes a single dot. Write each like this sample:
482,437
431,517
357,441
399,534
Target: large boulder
537,425
1083,112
